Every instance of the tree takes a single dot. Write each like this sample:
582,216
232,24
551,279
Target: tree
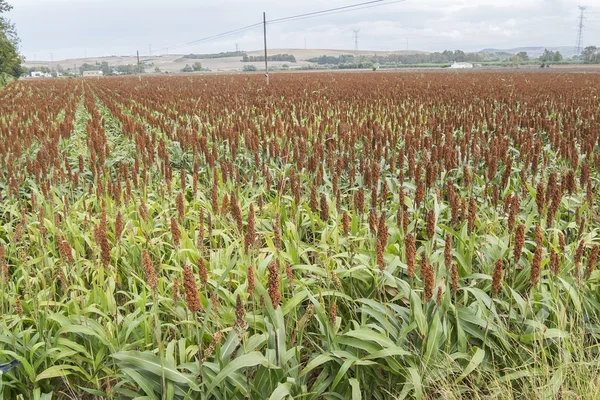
105,68
10,59
557,56
250,68
197,66
157,70
516,59
187,68
547,55
591,55
523,55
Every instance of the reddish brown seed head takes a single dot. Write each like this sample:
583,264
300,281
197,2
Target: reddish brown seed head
149,272
430,223
373,222
497,277
454,277
202,272
346,223
240,315
536,266
411,253
333,313
519,241
273,284
251,285
472,215
175,290
191,290
18,306
324,208
427,274
180,206
448,252
554,262
591,262
175,233
118,225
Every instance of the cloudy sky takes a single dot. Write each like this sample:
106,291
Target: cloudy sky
76,28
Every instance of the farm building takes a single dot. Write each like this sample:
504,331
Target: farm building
92,73
461,65
40,74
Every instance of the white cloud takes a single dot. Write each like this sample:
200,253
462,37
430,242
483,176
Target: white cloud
72,28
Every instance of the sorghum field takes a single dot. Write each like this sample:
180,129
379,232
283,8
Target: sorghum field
330,236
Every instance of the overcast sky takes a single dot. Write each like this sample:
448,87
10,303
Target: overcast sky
75,28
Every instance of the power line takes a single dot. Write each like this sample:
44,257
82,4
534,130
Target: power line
315,13
356,39
213,37
330,11
297,18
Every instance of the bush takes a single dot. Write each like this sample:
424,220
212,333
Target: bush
250,68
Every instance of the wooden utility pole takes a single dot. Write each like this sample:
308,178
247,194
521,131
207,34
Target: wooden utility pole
266,62
138,62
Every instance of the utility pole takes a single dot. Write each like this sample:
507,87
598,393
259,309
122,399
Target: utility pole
356,39
406,44
52,57
150,49
138,62
304,43
579,45
265,34
237,48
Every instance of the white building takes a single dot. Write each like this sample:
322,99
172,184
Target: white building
92,73
461,65
40,74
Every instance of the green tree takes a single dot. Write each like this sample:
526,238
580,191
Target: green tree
591,55
10,59
523,55
187,68
197,66
557,56
105,68
547,55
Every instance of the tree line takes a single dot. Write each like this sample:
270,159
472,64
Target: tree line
10,59
274,57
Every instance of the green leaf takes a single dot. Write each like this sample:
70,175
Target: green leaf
356,395
282,391
244,361
55,371
315,362
474,363
150,362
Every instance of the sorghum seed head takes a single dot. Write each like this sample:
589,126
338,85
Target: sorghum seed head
273,283
497,277
191,289
149,271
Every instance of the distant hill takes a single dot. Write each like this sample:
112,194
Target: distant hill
175,62
536,51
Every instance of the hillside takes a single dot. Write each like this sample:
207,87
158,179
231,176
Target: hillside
175,62
536,51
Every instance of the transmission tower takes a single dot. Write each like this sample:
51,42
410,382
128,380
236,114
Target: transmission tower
356,39
579,45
